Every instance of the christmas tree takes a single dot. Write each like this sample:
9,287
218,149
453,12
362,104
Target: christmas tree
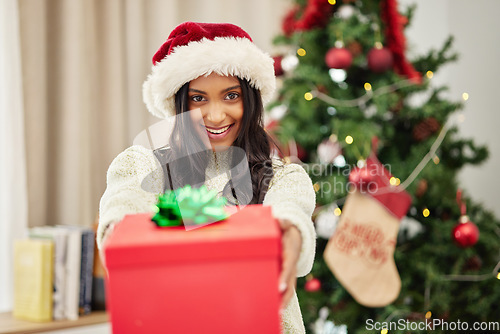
345,80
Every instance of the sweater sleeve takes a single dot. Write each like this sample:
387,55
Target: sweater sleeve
134,180
292,197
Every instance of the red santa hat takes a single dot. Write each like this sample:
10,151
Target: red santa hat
196,49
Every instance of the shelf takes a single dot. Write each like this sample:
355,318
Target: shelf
10,325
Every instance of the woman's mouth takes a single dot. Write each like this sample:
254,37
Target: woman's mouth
218,133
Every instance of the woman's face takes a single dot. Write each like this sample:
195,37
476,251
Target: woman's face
221,103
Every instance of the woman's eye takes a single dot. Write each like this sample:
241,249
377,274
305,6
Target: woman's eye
197,98
232,96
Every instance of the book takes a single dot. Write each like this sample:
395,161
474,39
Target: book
86,274
33,270
87,240
59,237
73,269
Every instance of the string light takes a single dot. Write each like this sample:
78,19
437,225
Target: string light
337,212
332,2
368,87
436,159
384,331
473,278
349,140
301,52
394,181
428,157
426,213
308,96
363,99
428,315
316,187
465,96
429,74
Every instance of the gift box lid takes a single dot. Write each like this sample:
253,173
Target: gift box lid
250,232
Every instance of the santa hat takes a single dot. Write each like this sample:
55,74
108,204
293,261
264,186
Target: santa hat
196,49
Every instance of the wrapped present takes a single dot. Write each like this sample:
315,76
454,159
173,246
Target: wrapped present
219,278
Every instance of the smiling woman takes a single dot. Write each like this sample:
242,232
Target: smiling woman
214,80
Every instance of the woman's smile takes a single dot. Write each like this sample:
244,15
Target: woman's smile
218,133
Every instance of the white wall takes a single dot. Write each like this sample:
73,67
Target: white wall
475,26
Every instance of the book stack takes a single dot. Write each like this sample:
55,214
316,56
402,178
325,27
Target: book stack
54,273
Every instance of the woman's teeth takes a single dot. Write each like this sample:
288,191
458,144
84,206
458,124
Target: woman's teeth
224,129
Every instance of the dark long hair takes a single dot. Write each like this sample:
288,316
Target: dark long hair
253,140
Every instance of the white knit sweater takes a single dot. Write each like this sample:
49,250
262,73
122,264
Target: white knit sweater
290,195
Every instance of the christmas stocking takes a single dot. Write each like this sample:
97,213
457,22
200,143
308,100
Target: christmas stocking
361,252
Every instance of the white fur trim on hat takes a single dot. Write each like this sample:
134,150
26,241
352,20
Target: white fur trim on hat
227,56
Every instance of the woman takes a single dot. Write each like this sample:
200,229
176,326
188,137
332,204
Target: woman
216,75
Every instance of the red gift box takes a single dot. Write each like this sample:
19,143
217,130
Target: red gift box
220,278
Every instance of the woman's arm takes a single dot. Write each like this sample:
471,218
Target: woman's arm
292,198
130,173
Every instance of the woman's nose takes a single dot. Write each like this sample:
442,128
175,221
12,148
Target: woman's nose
215,113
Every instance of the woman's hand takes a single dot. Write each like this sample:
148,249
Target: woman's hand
291,242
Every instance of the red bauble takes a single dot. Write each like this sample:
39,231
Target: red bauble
361,178
380,59
278,70
339,58
313,285
465,233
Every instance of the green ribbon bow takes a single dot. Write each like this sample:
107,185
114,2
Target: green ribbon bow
189,206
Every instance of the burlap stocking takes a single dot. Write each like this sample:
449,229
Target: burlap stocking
361,252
